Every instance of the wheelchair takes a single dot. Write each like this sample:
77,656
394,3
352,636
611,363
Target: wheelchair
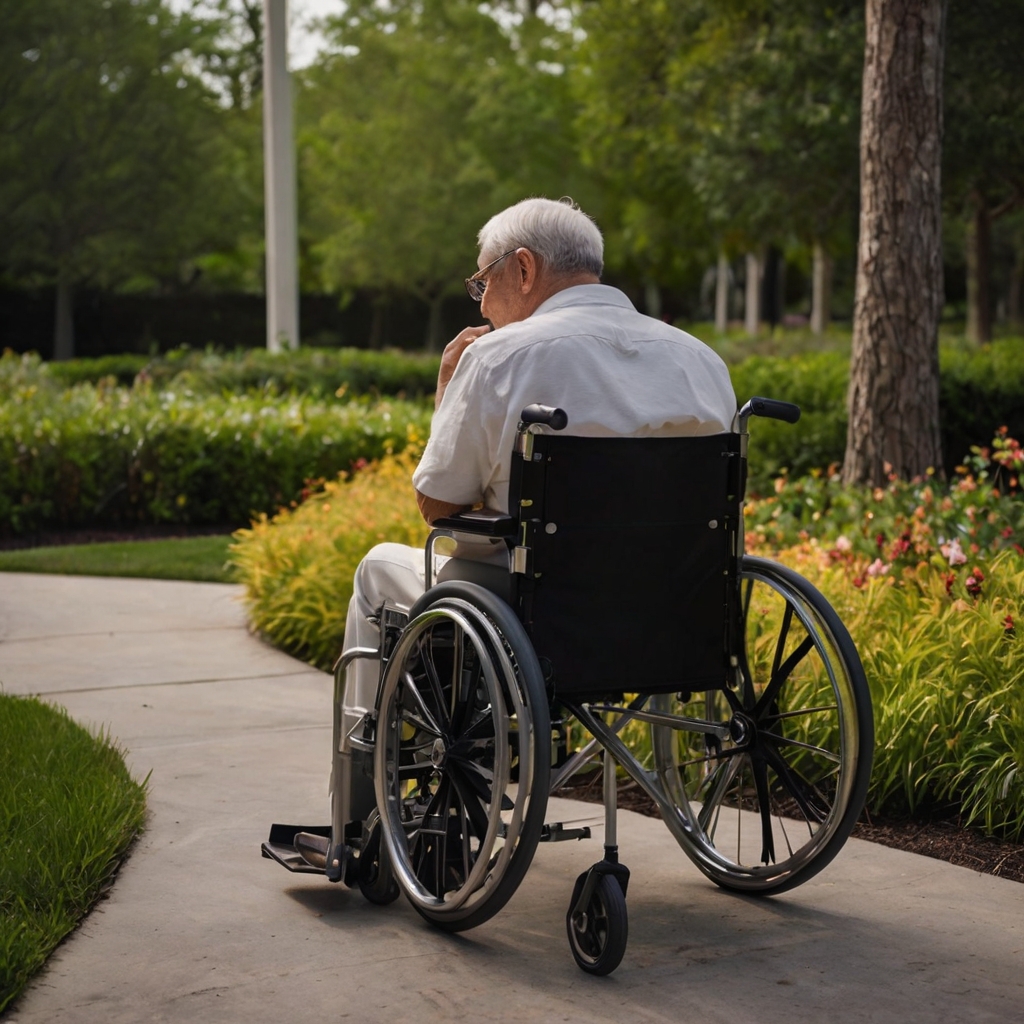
630,602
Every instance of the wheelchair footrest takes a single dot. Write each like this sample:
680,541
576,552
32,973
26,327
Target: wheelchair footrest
556,832
280,846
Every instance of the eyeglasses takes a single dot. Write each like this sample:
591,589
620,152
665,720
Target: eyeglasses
477,285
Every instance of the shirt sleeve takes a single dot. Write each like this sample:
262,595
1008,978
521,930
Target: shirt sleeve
456,464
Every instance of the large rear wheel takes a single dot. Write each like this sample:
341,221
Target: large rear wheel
768,804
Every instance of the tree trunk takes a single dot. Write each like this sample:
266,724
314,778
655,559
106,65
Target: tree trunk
652,299
752,306
979,272
64,321
893,400
435,332
722,294
1014,305
376,339
821,290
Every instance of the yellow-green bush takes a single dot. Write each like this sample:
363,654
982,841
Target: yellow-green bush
297,567
945,662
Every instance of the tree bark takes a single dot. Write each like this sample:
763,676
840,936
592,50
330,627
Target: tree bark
64,321
752,306
652,299
435,334
1015,293
722,294
979,272
821,289
893,399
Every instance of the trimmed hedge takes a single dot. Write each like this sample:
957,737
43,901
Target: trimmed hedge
107,456
980,390
309,370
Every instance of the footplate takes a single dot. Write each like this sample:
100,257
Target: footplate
281,847
556,832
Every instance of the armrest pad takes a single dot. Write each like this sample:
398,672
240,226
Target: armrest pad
484,523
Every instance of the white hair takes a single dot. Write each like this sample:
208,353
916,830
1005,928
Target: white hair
559,232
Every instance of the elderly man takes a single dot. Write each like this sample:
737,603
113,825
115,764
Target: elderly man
559,338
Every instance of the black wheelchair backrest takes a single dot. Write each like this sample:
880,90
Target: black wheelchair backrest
626,559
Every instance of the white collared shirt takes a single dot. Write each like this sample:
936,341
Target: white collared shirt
615,372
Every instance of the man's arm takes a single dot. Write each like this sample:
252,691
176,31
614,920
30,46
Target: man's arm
432,509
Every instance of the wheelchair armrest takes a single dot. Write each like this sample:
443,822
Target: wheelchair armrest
484,522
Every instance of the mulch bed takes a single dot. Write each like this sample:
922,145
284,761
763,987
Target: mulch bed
942,838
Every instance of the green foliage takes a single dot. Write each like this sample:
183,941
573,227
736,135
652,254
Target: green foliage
106,455
980,390
180,558
903,523
114,159
407,136
297,567
69,810
312,371
817,383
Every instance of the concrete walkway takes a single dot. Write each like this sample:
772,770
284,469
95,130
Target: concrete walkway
237,735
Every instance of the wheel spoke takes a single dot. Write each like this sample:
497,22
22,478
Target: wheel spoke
721,777
788,741
804,792
780,674
759,770
426,720
430,671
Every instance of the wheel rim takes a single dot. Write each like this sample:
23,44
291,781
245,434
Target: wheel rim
449,711
771,803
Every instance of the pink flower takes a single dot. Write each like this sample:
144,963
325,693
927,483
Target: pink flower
974,581
843,543
878,568
953,552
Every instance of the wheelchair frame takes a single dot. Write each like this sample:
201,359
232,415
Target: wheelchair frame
741,749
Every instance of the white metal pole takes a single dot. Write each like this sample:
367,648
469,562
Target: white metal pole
279,182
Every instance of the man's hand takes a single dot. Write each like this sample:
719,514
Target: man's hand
452,354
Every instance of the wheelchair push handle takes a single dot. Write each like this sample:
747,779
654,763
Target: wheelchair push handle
547,415
771,408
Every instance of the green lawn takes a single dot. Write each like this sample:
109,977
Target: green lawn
69,810
186,558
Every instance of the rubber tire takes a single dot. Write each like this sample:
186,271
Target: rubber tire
531,678
598,949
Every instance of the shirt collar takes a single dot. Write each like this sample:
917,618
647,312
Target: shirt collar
584,295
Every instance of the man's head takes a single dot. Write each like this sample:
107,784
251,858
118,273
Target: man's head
537,248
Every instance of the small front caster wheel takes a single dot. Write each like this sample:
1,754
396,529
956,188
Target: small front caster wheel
597,935
374,876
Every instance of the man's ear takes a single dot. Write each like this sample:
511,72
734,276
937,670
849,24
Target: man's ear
529,270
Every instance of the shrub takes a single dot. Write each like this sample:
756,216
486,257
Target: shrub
980,389
311,371
106,455
945,663
297,567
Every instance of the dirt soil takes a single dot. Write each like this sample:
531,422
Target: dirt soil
945,838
